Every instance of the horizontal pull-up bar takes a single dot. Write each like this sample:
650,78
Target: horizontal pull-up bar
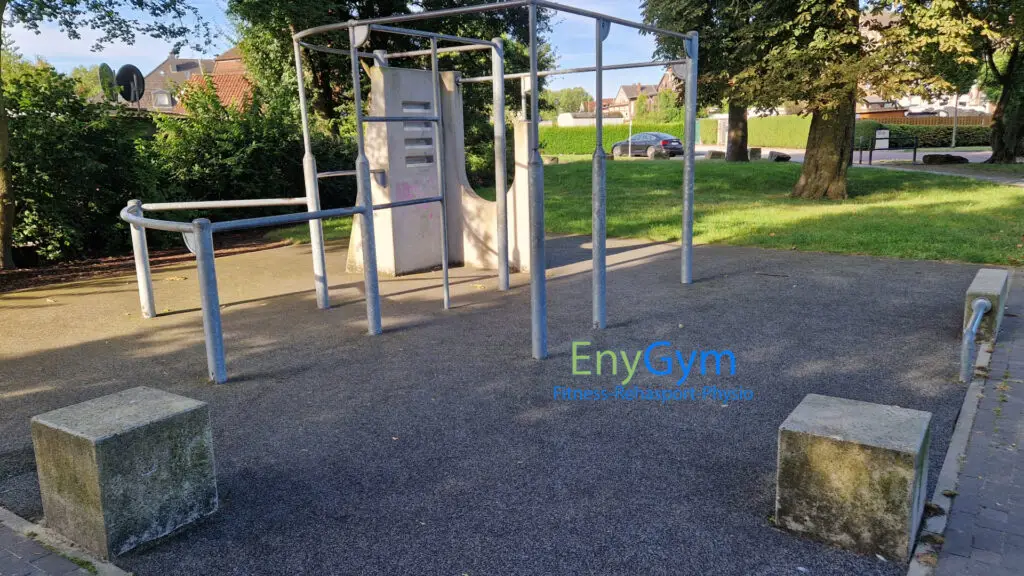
337,51
413,202
263,222
213,204
435,35
335,173
463,48
576,70
607,18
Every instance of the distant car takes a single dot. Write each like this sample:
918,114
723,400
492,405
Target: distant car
648,144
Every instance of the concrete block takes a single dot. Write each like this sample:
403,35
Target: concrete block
124,469
754,153
993,284
853,474
716,155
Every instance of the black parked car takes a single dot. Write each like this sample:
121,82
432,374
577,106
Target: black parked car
647,144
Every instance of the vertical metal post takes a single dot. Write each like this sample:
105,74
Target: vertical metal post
914,159
500,174
690,132
364,195
142,274
598,192
956,117
210,300
538,280
522,97
312,185
435,78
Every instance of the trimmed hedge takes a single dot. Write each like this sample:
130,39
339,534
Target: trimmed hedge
778,131
580,139
708,128
938,136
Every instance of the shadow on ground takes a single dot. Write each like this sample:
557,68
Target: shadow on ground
437,448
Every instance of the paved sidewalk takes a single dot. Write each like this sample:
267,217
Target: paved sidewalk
21,556
985,533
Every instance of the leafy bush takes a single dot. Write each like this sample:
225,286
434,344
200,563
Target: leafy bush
581,139
708,128
74,166
938,136
778,131
864,133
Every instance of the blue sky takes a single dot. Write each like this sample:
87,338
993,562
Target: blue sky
572,37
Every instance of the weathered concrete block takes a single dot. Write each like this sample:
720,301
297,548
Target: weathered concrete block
754,153
993,284
943,159
779,156
124,469
853,474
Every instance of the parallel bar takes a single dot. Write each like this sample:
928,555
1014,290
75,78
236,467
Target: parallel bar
413,17
979,308
297,217
335,173
401,119
431,35
364,197
598,195
445,50
519,75
165,225
336,51
210,299
538,263
690,137
213,204
312,188
140,249
500,173
435,76
612,19
412,202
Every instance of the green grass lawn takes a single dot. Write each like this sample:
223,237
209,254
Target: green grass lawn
890,213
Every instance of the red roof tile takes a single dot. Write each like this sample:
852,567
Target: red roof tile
232,89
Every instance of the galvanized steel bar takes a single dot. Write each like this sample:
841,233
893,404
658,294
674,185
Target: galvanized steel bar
312,187
210,301
538,280
364,193
598,194
612,19
500,173
401,203
979,308
435,76
280,219
689,157
165,225
401,119
520,75
336,51
431,35
215,204
443,50
140,250
413,17
335,173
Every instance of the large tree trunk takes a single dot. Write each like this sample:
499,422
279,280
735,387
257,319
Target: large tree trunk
736,147
829,150
1006,123
6,189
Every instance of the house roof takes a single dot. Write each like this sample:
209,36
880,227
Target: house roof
633,90
232,89
233,54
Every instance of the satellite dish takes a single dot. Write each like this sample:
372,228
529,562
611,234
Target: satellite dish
108,84
130,83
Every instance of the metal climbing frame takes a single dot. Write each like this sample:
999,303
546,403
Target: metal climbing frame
199,233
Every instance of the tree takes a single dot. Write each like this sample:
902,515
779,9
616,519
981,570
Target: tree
88,78
567,99
116,20
731,40
642,107
989,31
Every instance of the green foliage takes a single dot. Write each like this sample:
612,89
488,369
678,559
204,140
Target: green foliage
779,131
88,78
938,136
566,99
708,128
74,165
864,133
251,150
581,139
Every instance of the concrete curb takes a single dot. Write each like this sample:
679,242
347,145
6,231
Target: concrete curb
57,542
925,558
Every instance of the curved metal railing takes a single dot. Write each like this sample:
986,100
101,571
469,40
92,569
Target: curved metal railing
979,308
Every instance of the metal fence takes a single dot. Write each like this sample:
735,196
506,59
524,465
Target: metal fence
199,233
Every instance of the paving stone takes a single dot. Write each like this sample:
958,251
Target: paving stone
987,557
11,565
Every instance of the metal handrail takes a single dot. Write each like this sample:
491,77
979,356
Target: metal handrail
214,204
128,215
979,308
